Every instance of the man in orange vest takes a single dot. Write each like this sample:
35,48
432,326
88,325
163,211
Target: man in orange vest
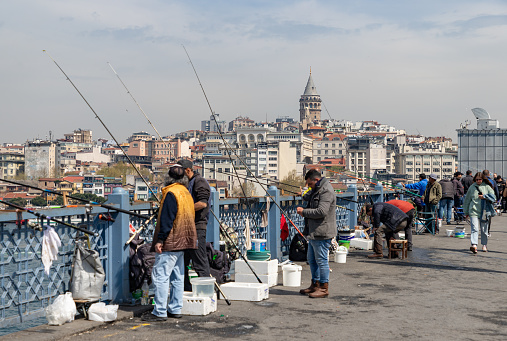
409,210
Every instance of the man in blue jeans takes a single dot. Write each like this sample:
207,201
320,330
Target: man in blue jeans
175,232
320,215
447,201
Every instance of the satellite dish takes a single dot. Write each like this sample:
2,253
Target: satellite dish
480,113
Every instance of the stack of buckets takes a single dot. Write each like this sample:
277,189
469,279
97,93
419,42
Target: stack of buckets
258,251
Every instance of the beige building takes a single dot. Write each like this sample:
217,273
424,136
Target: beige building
309,104
11,165
40,159
80,136
426,158
330,146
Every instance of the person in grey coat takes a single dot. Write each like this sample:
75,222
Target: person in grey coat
320,215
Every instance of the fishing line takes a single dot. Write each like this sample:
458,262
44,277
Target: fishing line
104,125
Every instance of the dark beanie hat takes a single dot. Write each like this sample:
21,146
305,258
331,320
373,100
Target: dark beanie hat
185,163
176,172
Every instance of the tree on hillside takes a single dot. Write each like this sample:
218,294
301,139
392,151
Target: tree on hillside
39,201
291,183
121,169
18,201
247,186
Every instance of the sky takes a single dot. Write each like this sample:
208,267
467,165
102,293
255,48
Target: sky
417,65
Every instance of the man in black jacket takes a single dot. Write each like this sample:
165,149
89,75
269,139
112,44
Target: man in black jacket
200,191
393,220
467,181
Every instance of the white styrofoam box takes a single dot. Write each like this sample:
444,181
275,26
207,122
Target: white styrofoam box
198,305
237,291
270,280
401,235
365,244
266,267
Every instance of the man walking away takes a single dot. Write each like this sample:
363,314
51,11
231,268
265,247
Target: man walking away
200,191
459,192
432,196
321,228
174,233
447,201
467,181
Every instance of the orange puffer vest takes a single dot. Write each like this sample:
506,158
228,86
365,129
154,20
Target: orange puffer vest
183,235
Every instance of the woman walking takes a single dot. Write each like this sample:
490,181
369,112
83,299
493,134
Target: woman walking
479,206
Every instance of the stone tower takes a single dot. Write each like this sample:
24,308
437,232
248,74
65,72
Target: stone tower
309,104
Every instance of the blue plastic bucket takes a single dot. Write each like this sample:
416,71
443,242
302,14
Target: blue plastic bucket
259,245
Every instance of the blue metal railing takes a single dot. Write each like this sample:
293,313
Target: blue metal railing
25,290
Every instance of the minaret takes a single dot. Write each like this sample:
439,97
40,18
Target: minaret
309,104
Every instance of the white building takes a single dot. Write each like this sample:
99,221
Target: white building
40,159
425,158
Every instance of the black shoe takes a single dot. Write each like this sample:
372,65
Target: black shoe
149,317
174,316
448,223
409,248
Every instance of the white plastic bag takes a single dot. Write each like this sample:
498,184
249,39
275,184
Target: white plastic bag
101,312
62,310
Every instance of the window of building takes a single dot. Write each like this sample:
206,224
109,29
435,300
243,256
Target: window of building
426,170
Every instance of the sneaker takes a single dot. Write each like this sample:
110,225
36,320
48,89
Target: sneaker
149,317
473,248
484,248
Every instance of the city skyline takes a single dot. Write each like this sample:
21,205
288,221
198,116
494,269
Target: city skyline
418,67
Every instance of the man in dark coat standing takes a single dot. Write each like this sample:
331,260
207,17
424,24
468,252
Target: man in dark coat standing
467,181
393,220
200,191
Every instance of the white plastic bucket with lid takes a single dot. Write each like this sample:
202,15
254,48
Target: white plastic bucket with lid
340,256
259,244
292,275
203,286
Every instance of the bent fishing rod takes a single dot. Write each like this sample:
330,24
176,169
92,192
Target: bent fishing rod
109,207
139,106
229,148
104,125
403,188
43,216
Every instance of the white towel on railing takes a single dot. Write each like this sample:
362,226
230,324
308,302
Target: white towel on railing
50,245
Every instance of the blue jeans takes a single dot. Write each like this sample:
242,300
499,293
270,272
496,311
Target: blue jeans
168,270
475,224
318,260
445,205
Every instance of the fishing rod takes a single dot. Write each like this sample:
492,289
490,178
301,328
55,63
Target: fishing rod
109,207
298,193
219,129
229,148
132,96
104,125
42,216
224,232
403,188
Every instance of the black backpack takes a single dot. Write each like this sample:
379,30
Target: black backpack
140,264
298,248
219,263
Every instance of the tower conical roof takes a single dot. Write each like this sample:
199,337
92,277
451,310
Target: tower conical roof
310,87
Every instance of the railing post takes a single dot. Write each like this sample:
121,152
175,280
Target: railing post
213,227
274,215
380,188
118,252
352,190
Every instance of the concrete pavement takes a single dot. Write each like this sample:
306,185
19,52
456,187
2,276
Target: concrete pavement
441,292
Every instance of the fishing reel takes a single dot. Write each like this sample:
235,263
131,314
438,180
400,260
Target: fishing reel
106,217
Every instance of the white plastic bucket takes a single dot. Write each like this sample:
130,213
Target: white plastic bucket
449,233
340,257
292,275
259,244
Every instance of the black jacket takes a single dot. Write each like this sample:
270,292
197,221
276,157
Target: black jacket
467,181
447,189
387,214
200,191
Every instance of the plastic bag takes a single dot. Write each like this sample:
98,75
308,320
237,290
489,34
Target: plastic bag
101,312
62,310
